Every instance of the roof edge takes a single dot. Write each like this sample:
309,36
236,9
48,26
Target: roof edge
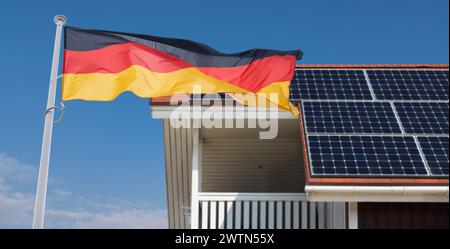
320,181
378,193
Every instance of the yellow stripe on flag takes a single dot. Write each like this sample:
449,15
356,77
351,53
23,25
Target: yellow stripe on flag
147,84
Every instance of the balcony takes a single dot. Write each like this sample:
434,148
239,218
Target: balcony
265,211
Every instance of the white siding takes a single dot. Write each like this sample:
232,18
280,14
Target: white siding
178,157
252,165
236,161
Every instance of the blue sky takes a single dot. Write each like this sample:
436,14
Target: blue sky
107,165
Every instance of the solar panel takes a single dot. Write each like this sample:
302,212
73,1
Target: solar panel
365,156
435,150
329,84
349,117
409,84
423,117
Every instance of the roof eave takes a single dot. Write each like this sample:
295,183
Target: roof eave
378,193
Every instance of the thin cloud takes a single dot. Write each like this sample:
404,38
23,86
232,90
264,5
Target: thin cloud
13,169
74,211
62,193
134,218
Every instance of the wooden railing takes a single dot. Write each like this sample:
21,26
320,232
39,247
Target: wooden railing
266,211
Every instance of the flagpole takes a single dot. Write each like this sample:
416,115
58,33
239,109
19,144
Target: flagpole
41,192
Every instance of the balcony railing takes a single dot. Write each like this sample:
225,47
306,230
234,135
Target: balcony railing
266,211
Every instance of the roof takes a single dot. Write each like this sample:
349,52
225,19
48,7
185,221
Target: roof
346,181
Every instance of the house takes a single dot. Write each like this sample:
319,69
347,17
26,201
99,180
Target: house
368,150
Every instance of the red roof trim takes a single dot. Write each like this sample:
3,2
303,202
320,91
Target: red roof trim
303,142
376,181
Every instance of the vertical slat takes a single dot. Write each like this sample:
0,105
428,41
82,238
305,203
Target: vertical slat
200,164
271,221
237,217
169,175
254,215
304,215
221,220
174,176
296,215
179,179
339,215
352,215
196,178
205,215
230,214
330,215
212,215
189,152
185,174
321,215
262,215
189,163
189,170
279,215
312,215
246,215
287,215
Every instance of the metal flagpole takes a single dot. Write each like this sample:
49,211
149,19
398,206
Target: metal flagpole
39,206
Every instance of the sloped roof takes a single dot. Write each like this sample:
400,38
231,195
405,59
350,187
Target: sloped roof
343,180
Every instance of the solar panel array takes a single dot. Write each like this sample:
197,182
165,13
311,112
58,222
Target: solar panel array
375,123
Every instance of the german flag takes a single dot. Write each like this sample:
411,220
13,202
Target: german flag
100,65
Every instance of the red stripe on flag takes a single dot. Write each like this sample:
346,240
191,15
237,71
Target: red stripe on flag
116,58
